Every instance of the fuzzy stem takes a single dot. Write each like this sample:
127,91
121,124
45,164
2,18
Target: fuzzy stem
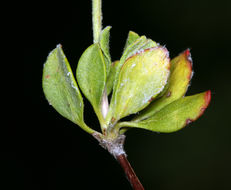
133,179
96,19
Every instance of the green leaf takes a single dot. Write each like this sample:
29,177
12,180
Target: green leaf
132,36
91,76
111,77
148,44
60,88
142,77
178,82
135,43
137,46
174,116
133,48
104,44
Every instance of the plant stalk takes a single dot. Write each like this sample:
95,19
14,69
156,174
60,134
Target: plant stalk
116,148
96,19
131,176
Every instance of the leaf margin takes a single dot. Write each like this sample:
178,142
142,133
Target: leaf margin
125,125
57,52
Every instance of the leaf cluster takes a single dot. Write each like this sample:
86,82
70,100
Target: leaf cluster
144,82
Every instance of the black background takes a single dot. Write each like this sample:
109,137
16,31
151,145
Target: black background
49,152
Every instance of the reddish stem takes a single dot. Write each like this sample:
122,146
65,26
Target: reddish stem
133,179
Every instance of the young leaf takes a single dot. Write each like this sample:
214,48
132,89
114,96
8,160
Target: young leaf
60,88
133,48
132,36
111,77
137,46
180,76
91,76
142,77
176,115
104,44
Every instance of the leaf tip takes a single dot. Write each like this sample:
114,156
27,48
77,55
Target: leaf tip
187,52
108,27
59,46
188,57
131,32
207,99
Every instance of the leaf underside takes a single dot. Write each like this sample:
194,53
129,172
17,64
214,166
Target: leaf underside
60,87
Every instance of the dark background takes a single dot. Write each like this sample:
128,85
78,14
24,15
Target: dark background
49,152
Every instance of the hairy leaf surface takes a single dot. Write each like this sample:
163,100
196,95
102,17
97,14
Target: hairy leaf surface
60,88
137,46
91,76
142,77
178,82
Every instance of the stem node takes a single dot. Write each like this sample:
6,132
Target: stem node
116,148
